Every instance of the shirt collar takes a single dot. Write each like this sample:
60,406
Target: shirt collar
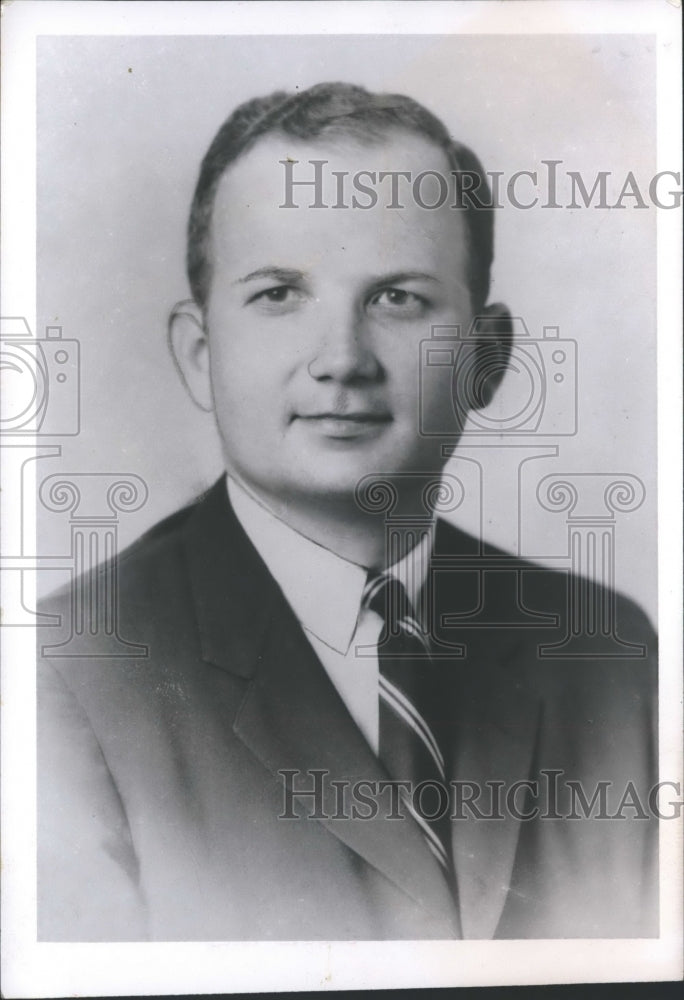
323,589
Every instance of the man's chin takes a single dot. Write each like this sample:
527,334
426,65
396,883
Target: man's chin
346,478
335,487
361,486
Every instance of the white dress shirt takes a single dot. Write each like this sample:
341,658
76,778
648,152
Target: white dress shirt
324,591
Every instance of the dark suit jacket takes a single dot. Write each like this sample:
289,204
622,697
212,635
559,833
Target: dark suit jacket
159,791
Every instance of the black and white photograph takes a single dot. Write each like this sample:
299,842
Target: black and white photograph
341,358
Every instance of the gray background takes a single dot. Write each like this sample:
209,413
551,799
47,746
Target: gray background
122,125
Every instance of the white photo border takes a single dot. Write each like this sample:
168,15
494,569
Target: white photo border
33,969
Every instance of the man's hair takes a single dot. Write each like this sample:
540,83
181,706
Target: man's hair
336,109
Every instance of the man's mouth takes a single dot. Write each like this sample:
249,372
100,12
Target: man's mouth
360,416
355,423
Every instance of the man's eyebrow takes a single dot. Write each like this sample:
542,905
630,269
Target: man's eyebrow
282,274
399,276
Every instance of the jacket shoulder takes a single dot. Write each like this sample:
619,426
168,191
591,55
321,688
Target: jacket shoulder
152,559
495,581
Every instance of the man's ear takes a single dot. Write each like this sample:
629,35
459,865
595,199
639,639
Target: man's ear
491,336
189,346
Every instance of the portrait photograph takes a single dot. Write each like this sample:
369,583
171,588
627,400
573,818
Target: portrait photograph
341,446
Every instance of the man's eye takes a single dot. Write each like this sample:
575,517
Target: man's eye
275,294
400,301
277,299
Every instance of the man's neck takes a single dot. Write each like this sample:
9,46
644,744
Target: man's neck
340,525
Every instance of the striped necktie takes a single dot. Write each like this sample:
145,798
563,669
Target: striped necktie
408,699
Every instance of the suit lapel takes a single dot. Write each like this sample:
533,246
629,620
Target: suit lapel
495,744
292,718
232,591
494,721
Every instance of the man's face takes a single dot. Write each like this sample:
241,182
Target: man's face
315,318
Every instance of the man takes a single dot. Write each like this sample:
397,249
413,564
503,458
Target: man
277,766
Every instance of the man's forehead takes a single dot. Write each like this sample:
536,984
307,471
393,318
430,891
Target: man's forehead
301,204
293,203
345,158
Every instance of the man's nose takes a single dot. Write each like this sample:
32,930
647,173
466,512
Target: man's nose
344,352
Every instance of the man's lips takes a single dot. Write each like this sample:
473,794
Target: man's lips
357,416
350,425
